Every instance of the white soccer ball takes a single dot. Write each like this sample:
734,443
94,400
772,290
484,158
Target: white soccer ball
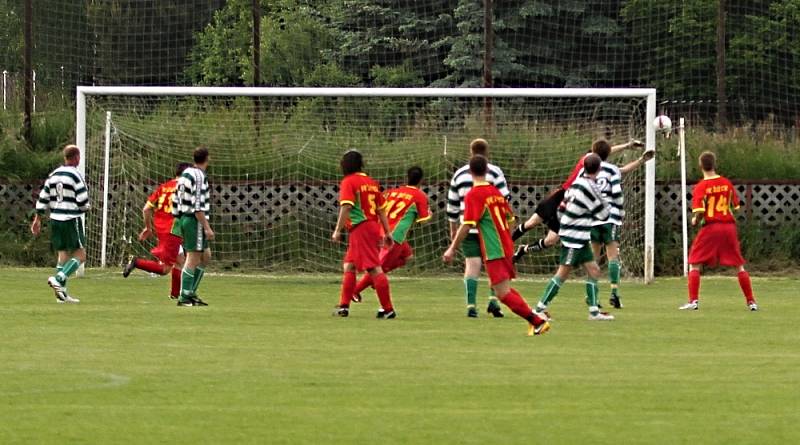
663,124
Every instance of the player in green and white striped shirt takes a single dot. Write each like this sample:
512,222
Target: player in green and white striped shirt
584,206
190,207
65,195
460,185
607,233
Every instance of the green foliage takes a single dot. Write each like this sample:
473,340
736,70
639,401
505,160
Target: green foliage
18,247
10,35
223,47
676,51
294,43
741,155
390,33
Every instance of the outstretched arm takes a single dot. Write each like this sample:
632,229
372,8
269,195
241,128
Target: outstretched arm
633,165
630,144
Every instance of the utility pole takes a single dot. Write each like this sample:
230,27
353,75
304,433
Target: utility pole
722,96
488,56
28,70
257,64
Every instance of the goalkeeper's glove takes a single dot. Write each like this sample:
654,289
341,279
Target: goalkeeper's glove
646,156
518,232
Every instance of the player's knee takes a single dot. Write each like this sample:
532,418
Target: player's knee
80,255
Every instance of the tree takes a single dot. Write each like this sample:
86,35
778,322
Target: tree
391,33
549,43
295,41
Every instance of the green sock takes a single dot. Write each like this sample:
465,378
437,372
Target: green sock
198,275
187,281
471,289
550,292
591,295
613,272
59,268
68,269
493,301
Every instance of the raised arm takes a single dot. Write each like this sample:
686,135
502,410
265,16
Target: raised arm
633,165
630,144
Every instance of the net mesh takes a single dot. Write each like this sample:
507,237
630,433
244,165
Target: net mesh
274,175
673,45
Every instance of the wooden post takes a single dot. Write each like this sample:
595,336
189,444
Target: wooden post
722,97
257,64
27,132
488,56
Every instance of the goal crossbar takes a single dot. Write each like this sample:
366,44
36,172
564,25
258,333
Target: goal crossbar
649,94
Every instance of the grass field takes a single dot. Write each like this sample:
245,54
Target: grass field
266,363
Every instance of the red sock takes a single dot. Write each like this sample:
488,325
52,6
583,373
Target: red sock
175,290
348,284
149,266
519,306
381,284
694,285
747,287
365,282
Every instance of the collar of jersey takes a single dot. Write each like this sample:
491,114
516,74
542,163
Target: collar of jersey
480,183
712,177
360,173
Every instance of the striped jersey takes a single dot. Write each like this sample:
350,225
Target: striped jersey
161,203
609,183
488,211
716,199
192,193
364,196
462,183
64,193
404,206
584,207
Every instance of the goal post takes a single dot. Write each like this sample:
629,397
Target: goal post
537,135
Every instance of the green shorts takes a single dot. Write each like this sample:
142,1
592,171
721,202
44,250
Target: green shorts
471,246
576,257
67,235
605,234
194,237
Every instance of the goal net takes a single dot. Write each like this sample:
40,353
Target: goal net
274,169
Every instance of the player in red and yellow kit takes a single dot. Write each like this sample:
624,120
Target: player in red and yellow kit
158,219
713,201
487,210
405,206
361,212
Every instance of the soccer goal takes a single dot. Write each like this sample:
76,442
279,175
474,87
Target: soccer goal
275,154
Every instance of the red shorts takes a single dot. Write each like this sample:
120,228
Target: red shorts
364,245
395,256
167,248
717,243
500,270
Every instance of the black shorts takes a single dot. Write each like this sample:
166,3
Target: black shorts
547,209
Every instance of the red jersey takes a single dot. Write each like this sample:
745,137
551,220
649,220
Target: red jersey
161,202
404,206
364,195
575,172
716,199
486,209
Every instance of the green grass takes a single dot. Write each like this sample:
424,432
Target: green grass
266,363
